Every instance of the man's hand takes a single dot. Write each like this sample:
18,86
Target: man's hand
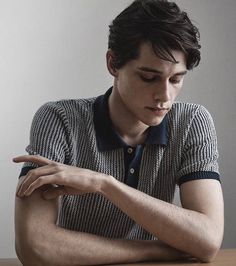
64,179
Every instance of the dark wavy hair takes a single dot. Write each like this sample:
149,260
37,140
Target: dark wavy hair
159,22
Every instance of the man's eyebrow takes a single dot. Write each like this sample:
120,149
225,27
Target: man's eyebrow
152,70
181,73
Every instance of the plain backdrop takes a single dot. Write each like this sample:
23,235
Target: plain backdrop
55,49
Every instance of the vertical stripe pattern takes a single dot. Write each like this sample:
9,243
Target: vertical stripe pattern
63,131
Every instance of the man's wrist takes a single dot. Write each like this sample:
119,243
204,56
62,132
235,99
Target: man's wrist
105,183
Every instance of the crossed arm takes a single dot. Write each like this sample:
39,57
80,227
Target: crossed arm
196,229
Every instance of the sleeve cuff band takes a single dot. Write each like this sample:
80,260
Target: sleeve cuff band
198,175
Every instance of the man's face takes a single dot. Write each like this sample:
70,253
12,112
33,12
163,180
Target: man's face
148,86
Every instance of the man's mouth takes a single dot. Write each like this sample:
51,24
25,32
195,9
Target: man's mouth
158,110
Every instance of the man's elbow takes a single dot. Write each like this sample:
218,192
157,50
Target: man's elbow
28,246
31,231
208,255
25,257
28,254
210,250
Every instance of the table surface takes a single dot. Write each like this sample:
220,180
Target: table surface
226,257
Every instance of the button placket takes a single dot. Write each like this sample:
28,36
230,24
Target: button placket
133,156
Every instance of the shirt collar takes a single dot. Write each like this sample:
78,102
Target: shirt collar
106,136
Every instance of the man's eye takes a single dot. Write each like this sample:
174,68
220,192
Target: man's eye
148,79
175,81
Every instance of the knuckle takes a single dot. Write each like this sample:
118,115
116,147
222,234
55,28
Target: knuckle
53,163
40,180
31,173
62,176
59,167
36,156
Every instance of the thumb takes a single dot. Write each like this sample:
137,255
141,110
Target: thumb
54,192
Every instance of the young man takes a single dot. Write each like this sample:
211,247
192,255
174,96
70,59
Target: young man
115,160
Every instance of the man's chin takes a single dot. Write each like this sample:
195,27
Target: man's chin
155,122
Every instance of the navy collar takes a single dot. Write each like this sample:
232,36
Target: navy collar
106,136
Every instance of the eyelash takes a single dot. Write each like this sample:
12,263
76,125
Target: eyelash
149,80
175,81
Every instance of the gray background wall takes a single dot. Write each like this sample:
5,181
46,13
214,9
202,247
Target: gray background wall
54,49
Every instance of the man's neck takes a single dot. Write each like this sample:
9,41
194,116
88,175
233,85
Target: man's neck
132,131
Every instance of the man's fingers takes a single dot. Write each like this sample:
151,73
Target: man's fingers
54,192
37,159
19,184
46,167
39,182
34,174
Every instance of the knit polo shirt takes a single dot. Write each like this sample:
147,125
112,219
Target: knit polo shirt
108,139
182,148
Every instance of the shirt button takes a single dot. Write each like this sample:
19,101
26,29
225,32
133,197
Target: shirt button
131,170
130,150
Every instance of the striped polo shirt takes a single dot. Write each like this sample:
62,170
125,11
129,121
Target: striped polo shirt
79,133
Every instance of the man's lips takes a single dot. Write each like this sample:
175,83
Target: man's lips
158,110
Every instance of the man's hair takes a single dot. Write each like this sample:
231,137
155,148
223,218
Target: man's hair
158,22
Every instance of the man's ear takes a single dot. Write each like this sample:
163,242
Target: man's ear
110,58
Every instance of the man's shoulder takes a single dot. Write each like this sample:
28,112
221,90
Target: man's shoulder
184,113
67,107
183,107
67,111
70,104
187,109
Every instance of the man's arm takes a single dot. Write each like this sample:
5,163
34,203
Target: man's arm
196,229
40,242
205,197
34,220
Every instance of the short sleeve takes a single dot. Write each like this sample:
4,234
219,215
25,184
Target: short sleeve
200,154
48,135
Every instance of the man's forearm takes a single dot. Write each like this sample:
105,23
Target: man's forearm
77,248
40,242
190,231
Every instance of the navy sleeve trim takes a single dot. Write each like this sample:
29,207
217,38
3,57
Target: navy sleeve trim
199,175
25,170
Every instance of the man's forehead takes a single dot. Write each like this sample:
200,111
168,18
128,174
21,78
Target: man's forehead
146,50
160,72
150,62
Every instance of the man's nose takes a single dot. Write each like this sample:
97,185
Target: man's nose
162,92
